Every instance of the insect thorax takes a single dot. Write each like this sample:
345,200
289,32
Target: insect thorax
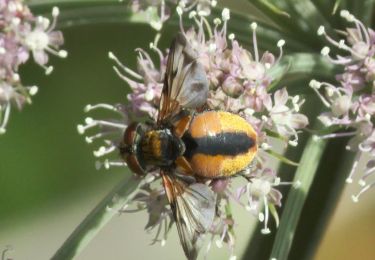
160,148
145,147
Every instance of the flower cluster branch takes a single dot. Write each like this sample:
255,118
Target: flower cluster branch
22,35
351,100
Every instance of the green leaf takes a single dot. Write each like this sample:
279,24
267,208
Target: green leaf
277,14
336,6
308,17
305,175
292,26
81,12
281,158
122,194
78,13
363,10
324,194
301,65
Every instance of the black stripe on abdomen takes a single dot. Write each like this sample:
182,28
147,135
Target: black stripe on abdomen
227,143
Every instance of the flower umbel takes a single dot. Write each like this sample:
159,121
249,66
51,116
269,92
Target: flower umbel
159,11
21,33
351,101
239,83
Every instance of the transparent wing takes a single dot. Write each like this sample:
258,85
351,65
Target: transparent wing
185,82
193,208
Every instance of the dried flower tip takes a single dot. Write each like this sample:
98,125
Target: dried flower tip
217,21
347,15
295,99
192,14
157,25
90,107
48,70
261,217
212,47
111,56
33,90
362,183
89,120
179,10
225,15
277,181
265,146
355,198
149,95
16,21
280,43
315,84
87,108
104,151
325,51
63,53
341,44
16,77
81,129
88,139
321,30
249,111
55,11
99,165
253,26
100,152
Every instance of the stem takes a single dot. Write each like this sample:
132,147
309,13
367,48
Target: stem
305,175
329,182
122,194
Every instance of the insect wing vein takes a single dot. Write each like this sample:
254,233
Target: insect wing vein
185,83
193,207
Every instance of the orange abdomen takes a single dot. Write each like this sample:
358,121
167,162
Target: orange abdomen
219,144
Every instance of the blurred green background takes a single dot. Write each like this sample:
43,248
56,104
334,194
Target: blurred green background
48,180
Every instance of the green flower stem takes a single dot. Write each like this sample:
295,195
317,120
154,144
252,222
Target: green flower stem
292,210
99,217
326,190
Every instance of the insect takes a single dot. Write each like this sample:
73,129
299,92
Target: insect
189,147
